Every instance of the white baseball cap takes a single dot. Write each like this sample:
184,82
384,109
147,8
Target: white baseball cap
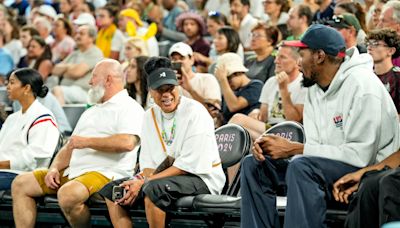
85,19
47,10
182,49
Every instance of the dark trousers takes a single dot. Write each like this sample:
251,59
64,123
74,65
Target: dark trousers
377,200
6,178
164,192
309,187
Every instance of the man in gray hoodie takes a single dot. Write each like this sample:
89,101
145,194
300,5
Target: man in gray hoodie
350,122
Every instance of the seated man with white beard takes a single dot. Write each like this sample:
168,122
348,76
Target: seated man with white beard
102,147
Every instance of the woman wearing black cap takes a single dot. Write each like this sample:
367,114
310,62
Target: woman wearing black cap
28,137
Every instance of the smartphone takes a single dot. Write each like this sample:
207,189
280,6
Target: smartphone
118,193
177,66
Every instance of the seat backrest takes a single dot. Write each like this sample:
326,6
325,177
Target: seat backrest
290,130
60,144
234,143
73,113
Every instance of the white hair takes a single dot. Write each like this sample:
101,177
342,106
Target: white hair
43,22
395,5
112,67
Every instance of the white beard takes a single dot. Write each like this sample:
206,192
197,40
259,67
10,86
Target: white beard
96,93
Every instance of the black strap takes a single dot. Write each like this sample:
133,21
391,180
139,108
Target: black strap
27,134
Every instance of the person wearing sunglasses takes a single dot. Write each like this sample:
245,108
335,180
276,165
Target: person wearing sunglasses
348,26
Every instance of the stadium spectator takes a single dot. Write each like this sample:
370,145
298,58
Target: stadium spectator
242,21
136,81
384,45
300,17
39,55
25,35
66,9
98,151
276,12
134,47
375,202
75,69
193,169
215,21
12,44
166,29
357,10
263,41
7,63
63,44
282,96
109,39
28,137
240,93
375,12
390,18
226,40
131,25
348,26
44,28
325,11
193,26
198,86
347,128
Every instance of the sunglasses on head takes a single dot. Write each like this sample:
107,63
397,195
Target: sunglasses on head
338,19
214,14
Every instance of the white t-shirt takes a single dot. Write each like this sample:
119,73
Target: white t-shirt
194,146
246,25
119,115
270,95
206,85
117,42
43,138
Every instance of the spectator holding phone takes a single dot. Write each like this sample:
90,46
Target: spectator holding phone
198,86
179,155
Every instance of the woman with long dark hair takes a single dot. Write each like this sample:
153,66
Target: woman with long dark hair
28,137
136,79
39,54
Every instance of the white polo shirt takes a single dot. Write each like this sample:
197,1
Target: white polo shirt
194,146
119,115
43,138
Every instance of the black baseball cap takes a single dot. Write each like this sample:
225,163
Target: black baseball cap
162,76
321,37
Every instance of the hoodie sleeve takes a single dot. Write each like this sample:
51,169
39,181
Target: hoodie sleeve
361,133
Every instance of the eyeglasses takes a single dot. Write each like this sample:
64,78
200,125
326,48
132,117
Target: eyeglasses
256,35
214,14
375,43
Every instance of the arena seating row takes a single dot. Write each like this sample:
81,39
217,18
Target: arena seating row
206,210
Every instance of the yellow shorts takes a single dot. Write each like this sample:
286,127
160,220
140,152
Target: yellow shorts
93,181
